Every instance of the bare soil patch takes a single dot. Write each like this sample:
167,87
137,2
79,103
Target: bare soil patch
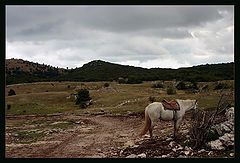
86,136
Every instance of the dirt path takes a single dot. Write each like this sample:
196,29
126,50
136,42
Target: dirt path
95,136
92,136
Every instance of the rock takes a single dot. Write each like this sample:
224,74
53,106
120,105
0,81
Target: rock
132,156
186,152
225,127
129,143
169,139
123,135
227,139
187,148
142,155
121,152
202,150
146,136
210,153
182,156
135,146
172,143
180,147
164,156
231,154
230,114
216,145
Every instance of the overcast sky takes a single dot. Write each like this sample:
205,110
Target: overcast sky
143,36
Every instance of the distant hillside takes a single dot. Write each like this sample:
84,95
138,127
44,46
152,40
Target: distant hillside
104,71
19,71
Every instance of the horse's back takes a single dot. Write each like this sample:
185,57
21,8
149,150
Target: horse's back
153,110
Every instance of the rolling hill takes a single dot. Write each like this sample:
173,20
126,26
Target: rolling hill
20,71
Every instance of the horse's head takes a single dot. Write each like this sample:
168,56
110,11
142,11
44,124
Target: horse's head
194,107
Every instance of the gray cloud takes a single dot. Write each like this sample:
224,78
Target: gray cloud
68,36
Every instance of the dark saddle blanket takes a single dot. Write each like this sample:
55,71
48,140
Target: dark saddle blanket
170,105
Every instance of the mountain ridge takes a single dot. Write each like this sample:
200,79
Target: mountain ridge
99,70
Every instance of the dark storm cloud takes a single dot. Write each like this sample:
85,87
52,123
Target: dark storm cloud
40,19
117,33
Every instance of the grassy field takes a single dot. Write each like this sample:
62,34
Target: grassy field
52,97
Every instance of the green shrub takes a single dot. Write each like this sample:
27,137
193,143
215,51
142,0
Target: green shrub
171,90
181,86
221,86
11,92
83,98
133,80
8,106
106,84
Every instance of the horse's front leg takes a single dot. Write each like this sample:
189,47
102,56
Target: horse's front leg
176,127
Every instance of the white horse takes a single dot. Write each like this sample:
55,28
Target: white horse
156,111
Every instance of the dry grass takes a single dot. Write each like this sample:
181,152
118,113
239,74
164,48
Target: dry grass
32,98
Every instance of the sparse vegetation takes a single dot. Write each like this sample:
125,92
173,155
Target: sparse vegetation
152,99
122,99
158,85
221,86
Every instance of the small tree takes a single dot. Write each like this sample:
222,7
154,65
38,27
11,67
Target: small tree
106,84
171,90
11,92
83,98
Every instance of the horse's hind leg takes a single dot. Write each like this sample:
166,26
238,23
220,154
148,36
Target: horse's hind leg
150,131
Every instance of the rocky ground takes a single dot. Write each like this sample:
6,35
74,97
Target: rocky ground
98,136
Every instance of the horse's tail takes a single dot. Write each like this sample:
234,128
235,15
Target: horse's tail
147,124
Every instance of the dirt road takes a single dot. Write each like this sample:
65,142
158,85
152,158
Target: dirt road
94,136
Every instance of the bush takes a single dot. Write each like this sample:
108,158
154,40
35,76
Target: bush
181,86
205,87
11,92
152,99
221,86
133,80
122,80
158,85
83,98
193,85
106,84
171,90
